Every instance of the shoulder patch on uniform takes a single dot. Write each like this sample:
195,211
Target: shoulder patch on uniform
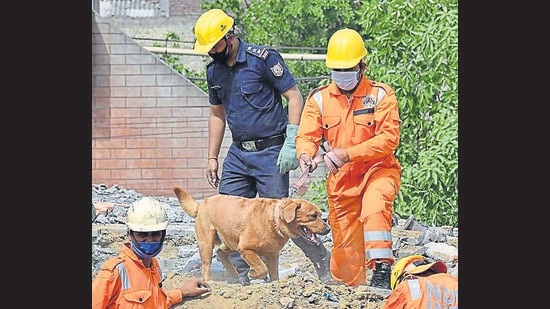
260,52
369,101
277,69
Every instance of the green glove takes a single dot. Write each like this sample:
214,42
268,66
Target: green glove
287,160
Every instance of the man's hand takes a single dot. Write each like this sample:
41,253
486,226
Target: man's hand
194,287
212,173
341,154
287,160
306,163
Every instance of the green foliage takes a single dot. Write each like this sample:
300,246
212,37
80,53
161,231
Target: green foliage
173,41
317,193
298,26
288,23
412,46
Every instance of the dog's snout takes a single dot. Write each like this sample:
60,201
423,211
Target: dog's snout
325,230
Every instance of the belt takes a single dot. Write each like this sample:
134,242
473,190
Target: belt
260,144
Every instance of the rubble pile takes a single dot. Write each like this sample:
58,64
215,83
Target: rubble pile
298,286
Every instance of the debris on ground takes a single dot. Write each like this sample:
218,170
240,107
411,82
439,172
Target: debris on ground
298,286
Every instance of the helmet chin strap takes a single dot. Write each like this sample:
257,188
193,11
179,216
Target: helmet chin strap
360,73
229,49
362,68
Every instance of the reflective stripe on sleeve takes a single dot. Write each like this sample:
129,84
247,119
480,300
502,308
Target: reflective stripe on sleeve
381,94
123,276
319,99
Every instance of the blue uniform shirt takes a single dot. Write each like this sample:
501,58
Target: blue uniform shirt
250,91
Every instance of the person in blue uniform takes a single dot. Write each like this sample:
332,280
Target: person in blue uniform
246,83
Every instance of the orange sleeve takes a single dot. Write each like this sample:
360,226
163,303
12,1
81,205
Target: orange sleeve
106,285
174,297
310,133
397,299
386,135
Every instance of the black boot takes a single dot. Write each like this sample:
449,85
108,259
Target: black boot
323,268
319,256
242,268
381,276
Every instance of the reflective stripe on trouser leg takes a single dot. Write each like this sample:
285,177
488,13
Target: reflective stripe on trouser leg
377,253
376,214
378,239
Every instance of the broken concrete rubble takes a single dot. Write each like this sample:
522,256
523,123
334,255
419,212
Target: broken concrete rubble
298,286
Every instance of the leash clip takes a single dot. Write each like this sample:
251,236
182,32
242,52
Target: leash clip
293,191
298,184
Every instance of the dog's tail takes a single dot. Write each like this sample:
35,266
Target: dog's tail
187,203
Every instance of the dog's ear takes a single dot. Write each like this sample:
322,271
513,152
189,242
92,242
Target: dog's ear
288,209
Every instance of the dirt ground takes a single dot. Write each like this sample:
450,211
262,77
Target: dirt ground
297,288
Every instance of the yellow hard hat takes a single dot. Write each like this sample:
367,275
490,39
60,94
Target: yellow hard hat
345,49
414,264
146,215
210,28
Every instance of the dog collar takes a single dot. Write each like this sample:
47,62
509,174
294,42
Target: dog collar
276,215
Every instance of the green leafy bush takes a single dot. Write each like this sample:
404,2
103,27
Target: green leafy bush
412,46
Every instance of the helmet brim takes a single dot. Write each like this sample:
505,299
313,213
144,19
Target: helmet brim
438,267
203,49
147,227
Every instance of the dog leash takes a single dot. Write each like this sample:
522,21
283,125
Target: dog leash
331,160
298,184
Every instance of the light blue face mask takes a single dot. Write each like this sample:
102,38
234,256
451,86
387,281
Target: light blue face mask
346,80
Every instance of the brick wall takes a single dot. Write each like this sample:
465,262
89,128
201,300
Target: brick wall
149,123
162,8
185,7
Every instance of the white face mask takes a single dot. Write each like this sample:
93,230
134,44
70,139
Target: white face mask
346,80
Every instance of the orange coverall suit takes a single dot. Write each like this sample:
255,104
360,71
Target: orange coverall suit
131,286
361,194
438,291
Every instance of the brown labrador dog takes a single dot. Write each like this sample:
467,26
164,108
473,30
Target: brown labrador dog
255,227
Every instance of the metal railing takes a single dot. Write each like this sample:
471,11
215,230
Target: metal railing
131,8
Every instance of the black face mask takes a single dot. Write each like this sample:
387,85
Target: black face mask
222,56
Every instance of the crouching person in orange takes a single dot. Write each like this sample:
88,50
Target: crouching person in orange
418,283
360,120
134,278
